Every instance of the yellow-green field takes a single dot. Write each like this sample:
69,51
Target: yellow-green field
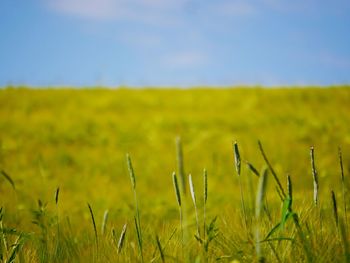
77,140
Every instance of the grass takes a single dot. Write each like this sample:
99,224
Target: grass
67,148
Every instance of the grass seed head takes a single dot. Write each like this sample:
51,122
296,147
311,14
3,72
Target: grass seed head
131,171
314,175
193,195
176,188
237,158
122,238
205,179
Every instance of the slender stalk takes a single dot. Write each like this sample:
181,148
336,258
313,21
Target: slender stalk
121,239
178,199
137,211
272,171
343,185
58,220
193,195
335,209
345,242
139,238
94,225
290,192
180,164
238,171
205,198
259,204
302,238
314,175
3,246
160,249
104,222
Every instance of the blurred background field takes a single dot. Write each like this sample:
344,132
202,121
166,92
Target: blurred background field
77,139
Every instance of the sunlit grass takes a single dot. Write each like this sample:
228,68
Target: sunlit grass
76,141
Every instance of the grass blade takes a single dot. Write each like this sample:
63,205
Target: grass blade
272,170
160,249
259,204
9,179
343,184
121,239
252,168
345,241
314,175
335,209
139,239
94,224
193,195
57,194
177,190
303,238
104,222
238,171
205,198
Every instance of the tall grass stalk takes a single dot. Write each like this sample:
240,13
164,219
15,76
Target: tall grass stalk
205,198
303,239
259,204
316,189
139,238
104,222
279,185
289,193
314,175
335,209
94,225
180,164
58,220
121,239
3,241
16,247
193,195
178,199
238,171
343,185
345,241
137,212
159,246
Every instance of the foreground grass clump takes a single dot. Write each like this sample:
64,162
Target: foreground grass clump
252,202
311,232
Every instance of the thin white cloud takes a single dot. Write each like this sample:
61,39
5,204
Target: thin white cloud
333,60
185,59
136,10
140,39
234,8
95,9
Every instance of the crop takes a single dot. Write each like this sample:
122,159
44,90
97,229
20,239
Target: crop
237,186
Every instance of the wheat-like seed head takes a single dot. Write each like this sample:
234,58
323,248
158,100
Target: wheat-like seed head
205,178
131,171
176,188
193,195
237,158
314,175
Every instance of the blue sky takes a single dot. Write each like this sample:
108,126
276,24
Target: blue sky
174,42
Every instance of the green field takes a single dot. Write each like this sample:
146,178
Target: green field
77,140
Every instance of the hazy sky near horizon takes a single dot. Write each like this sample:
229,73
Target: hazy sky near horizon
174,42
